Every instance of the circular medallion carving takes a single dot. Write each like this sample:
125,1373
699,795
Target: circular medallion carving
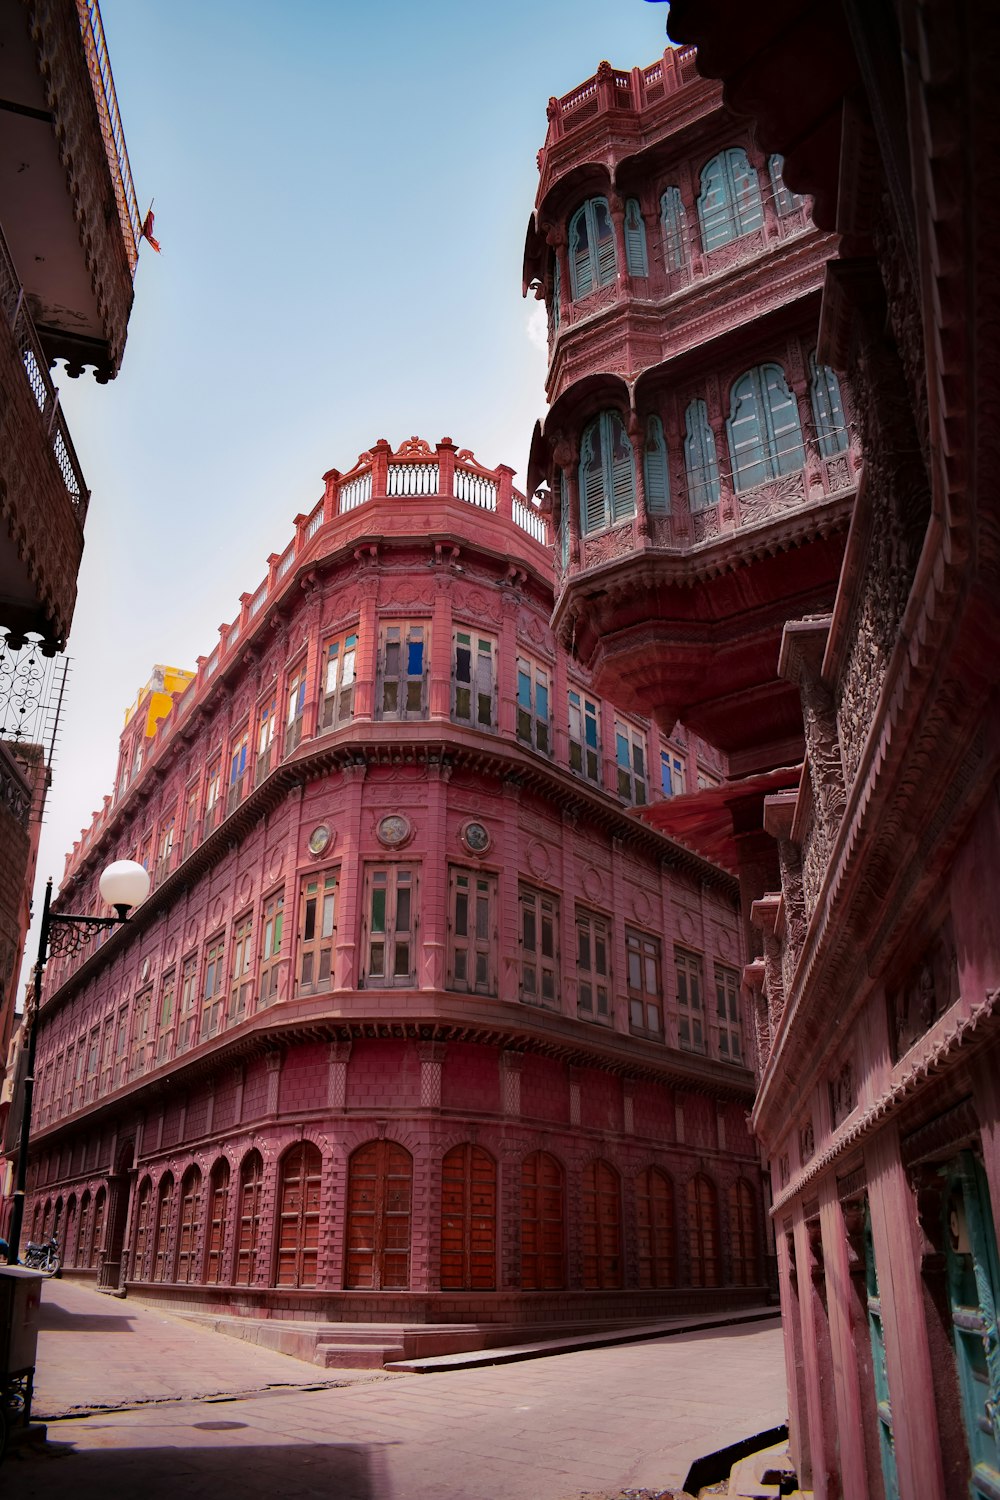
216,912
144,971
724,942
275,861
190,933
641,908
685,923
244,889
319,839
538,859
169,950
393,831
592,883
476,837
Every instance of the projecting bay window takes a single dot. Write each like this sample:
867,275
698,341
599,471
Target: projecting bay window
272,921
165,1027
593,259
213,795
402,672
727,999
390,923
266,725
317,931
593,966
474,680
338,681
645,989
295,702
630,758
472,932
212,992
187,1013
539,947
690,1003
533,705
584,736
672,773
241,982
237,771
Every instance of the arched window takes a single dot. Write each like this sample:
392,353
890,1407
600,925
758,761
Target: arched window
701,462
827,408
765,438
36,1222
654,1209
218,1203
602,1226
142,1213
607,473
654,468
742,1234
161,1232
784,201
82,1257
543,1227
69,1249
729,205
298,1215
189,1229
636,259
703,1232
248,1228
57,1220
673,223
47,1218
468,1220
380,1179
100,1200
592,258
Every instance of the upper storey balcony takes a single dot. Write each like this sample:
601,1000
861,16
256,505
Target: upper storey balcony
67,203
650,238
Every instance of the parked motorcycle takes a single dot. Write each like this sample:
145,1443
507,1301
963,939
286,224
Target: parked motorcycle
42,1255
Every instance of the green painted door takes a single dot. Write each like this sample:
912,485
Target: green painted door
973,1280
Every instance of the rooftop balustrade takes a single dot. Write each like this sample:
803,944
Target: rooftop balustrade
103,84
611,91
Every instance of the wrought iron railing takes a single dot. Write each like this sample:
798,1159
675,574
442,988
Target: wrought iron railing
103,84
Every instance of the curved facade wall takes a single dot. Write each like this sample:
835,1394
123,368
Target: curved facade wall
420,1021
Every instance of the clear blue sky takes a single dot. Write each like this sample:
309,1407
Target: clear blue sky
341,194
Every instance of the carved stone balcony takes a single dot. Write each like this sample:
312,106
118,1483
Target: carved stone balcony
68,206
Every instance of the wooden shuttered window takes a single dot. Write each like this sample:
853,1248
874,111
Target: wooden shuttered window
402,672
468,1219
100,1207
690,1002
742,1235
248,1226
241,982
785,202
165,1026
82,1257
218,1213
473,699
673,224
630,760
161,1233
212,989
729,204
472,947
701,463
534,705
593,260
827,408
584,736
727,1003
602,1227
539,947
654,468
298,1216
188,1013
142,1222
645,984
317,931
390,920
379,1188
593,966
765,438
543,1223
607,473
189,1227
267,723
272,926
703,1231
636,259
338,684
655,1225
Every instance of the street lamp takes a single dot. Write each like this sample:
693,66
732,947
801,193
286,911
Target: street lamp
123,885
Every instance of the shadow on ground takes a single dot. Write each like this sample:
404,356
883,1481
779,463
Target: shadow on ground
52,1318
326,1471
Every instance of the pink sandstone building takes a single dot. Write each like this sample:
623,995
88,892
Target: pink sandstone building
421,1024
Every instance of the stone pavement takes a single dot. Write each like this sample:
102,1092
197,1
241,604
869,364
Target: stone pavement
205,1416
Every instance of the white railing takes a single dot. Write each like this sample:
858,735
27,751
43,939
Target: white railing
212,663
233,635
286,562
412,479
315,523
475,489
257,602
530,520
356,492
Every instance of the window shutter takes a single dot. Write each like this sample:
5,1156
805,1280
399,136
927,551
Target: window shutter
635,240
828,408
715,208
783,420
604,239
700,458
747,438
749,211
580,272
673,224
593,508
622,468
655,469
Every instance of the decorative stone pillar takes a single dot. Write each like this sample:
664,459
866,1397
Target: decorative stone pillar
803,643
272,1063
779,815
628,1106
617,209
339,1057
431,1056
511,1064
753,984
765,915
636,438
575,1076
351,893
434,887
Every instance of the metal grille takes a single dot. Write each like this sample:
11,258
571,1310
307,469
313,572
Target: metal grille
32,687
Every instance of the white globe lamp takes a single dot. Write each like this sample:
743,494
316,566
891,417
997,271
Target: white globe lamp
123,885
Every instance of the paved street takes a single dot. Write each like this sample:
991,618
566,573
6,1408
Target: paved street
203,1415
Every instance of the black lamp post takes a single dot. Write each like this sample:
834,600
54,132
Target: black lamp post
123,885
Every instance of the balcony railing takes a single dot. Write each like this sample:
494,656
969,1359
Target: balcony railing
36,371
103,84
612,91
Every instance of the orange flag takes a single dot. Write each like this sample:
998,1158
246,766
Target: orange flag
147,232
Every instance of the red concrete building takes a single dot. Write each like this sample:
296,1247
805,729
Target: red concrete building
421,1024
